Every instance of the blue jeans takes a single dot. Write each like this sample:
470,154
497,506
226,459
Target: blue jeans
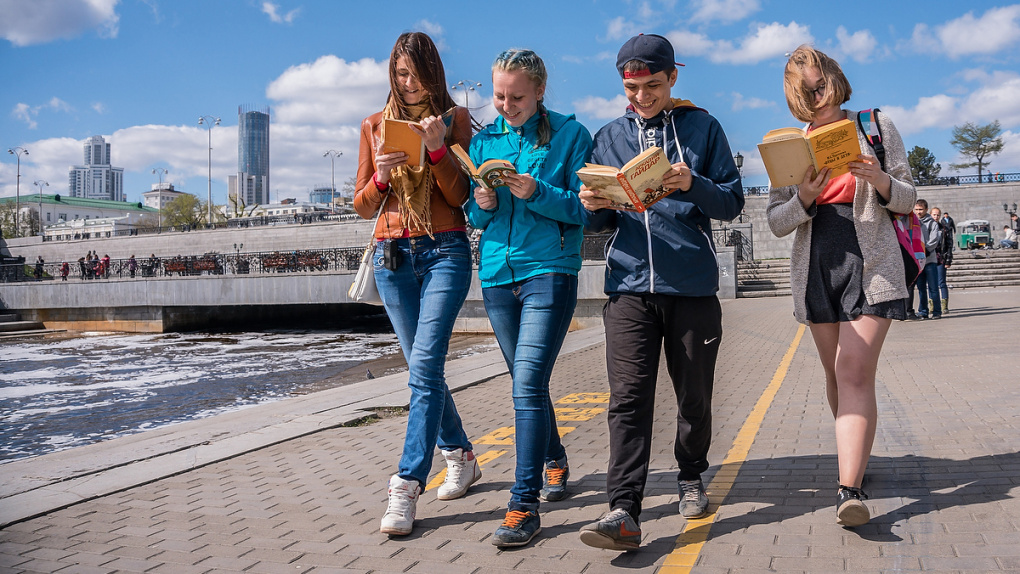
928,286
530,319
943,287
422,298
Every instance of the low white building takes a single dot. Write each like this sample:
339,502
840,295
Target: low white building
55,209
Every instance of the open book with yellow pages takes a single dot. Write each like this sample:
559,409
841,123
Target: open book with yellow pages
633,187
788,152
489,175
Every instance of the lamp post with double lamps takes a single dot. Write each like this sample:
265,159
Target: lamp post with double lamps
159,198
466,86
333,154
209,122
40,184
18,151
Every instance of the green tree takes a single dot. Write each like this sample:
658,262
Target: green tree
922,166
184,210
978,142
7,219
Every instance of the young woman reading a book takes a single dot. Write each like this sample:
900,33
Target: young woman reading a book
846,270
530,256
422,266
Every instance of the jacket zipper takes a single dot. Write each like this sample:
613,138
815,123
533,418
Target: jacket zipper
651,262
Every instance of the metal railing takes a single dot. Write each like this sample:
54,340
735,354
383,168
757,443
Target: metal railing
739,240
971,179
233,223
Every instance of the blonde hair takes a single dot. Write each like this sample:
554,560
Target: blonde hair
800,98
527,61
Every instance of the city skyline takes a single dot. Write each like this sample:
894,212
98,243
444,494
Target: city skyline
322,69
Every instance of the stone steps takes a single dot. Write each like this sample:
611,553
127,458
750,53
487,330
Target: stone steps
971,269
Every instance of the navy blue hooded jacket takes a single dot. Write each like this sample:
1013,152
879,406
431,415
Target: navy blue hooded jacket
668,249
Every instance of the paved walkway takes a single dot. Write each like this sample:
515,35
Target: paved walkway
283,488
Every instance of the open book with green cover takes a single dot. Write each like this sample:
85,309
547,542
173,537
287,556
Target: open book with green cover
789,152
633,187
489,175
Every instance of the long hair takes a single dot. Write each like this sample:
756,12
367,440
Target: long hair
799,98
527,61
424,61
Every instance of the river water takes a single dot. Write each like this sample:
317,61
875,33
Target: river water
66,391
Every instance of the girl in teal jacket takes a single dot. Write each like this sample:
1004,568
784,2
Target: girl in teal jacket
530,256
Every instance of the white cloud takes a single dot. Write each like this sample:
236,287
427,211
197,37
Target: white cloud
601,108
25,23
752,103
938,111
272,10
28,114
858,46
723,10
330,90
995,31
99,108
620,28
435,31
764,41
994,99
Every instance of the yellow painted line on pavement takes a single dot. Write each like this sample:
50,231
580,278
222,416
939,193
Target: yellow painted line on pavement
577,415
584,398
695,534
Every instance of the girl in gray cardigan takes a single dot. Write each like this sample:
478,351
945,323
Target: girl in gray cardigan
846,270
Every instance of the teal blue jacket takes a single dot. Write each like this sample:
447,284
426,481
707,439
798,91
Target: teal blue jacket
542,234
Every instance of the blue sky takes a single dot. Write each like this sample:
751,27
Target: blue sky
141,72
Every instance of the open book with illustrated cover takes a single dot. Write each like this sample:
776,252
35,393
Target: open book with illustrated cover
489,175
788,152
397,135
633,187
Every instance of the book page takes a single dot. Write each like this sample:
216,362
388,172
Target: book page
786,160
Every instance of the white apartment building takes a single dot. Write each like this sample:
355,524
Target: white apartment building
97,178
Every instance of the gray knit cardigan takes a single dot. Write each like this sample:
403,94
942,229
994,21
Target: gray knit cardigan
883,265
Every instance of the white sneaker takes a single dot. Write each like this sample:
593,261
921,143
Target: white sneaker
403,499
461,472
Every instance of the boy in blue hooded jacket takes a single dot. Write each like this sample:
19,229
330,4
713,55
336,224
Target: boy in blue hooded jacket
661,277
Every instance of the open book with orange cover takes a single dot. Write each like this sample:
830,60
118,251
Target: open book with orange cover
397,135
788,152
633,187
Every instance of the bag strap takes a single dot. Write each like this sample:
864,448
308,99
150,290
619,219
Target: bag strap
867,121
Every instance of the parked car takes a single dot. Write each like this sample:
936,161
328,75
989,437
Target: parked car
973,234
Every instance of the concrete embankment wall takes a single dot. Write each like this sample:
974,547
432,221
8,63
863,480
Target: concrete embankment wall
963,202
209,301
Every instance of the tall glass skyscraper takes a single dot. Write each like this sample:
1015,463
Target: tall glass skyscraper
252,183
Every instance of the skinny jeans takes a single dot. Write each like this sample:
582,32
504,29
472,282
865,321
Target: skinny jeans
530,319
422,298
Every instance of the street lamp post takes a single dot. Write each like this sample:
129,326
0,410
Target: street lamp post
159,198
466,86
40,183
739,160
237,257
333,154
209,122
18,151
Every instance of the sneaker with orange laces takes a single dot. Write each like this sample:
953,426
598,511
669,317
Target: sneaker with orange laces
518,528
555,477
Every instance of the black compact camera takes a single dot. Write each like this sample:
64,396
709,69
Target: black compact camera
391,255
